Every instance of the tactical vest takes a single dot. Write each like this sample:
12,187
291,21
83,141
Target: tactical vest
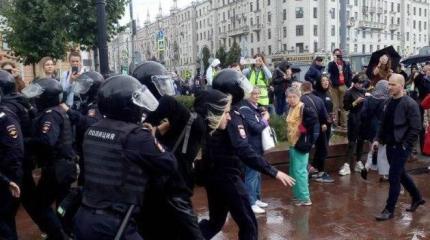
23,114
220,154
261,82
110,178
64,147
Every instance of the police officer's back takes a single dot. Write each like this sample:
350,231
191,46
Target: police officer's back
51,144
11,157
119,157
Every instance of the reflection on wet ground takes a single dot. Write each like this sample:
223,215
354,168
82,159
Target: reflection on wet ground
341,210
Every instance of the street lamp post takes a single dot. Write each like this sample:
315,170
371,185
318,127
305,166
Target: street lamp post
102,37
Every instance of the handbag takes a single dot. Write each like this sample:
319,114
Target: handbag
268,138
426,146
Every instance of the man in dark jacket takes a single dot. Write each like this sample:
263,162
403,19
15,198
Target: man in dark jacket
353,102
340,76
399,130
315,71
281,80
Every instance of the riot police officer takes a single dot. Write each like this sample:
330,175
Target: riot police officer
168,200
51,143
85,88
11,157
119,157
224,149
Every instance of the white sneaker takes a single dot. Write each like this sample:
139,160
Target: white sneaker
345,170
261,204
257,210
358,166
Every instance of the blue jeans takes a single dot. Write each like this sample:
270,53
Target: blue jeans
253,184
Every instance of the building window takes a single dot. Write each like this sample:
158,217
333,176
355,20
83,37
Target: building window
333,13
315,12
299,12
258,36
258,50
284,47
371,48
299,47
250,7
355,48
268,2
315,46
333,30
315,30
257,5
269,34
284,29
269,50
299,30
252,51
284,14
252,38
269,17
363,48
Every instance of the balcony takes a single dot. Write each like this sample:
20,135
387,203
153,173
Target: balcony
372,9
256,27
243,30
222,35
371,25
394,27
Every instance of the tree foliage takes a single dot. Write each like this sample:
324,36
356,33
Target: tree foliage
233,55
37,28
206,54
221,54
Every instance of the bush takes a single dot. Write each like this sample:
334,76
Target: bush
280,126
186,100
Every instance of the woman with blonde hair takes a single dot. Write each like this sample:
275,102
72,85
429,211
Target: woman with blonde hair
47,68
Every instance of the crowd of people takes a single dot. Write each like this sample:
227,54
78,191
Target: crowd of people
118,156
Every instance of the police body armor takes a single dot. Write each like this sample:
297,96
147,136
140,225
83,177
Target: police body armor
63,158
110,178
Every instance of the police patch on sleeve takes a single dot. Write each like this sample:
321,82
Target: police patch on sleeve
46,126
242,132
12,131
159,146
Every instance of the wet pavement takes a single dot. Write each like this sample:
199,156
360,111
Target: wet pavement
344,209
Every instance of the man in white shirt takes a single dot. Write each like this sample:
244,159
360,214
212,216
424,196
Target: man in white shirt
69,76
212,71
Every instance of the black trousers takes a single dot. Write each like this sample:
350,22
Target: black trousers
397,157
8,208
321,149
38,201
228,194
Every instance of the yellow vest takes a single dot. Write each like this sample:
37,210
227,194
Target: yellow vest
262,83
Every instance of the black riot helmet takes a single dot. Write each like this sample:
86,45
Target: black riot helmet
87,85
124,98
46,92
7,82
232,82
156,77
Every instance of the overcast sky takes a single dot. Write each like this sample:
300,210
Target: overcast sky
141,8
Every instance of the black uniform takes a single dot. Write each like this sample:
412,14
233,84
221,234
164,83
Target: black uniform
11,157
119,157
226,191
168,199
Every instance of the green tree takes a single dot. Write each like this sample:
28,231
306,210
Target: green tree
221,54
234,54
81,20
31,32
206,54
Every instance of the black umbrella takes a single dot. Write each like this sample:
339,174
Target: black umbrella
374,59
416,59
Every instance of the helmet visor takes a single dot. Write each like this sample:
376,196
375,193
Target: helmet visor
32,90
143,98
82,85
245,85
164,84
